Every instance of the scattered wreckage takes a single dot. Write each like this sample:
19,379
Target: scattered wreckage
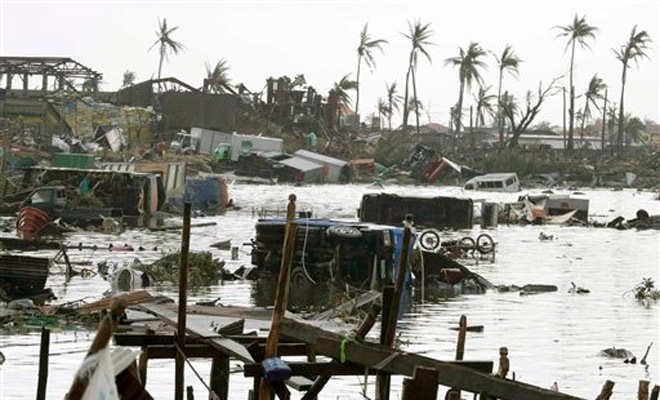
24,277
360,254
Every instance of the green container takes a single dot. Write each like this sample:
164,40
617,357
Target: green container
72,160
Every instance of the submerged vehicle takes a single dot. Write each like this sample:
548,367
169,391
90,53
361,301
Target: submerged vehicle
360,254
500,182
437,212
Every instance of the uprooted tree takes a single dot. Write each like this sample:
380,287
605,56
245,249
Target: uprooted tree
519,119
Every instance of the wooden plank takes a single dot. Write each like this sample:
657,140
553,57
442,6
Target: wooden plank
203,326
130,299
457,376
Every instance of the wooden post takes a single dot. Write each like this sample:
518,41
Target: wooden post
281,293
460,346
382,380
103,335
190,394
179,360
43,363
606,391
655,392
143,361
220,377
643,390
423,385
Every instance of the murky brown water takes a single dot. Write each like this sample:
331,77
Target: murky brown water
551,336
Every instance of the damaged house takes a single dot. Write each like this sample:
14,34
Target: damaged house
36,92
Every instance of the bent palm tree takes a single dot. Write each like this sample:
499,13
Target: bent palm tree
165,43
577,32
634,50
342,87
507,61
217,78
468,63
634,130
484,106
393,102
419,35
593,93
367,44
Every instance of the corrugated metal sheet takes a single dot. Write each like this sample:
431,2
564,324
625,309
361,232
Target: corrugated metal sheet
174,174
332,166
23,272
320,158
301,164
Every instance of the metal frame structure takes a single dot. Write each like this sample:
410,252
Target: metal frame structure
66,72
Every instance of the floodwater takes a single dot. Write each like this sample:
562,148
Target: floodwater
552,337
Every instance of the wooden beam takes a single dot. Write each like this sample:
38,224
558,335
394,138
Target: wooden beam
423,386
451,375
336,368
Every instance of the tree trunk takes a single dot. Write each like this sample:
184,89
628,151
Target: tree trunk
500,120
571,101
405,95
416,103
584,117
160,62
602,137
357,90
619,133
459,109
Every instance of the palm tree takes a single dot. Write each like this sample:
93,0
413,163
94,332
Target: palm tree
577,32
634,130
342,87
634,50
419,35
128,79
383,109
217,78
393,101
468,63
483,100
509,62
364,51
593,93
417,107
165,43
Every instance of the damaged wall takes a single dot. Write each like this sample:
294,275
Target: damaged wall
211,111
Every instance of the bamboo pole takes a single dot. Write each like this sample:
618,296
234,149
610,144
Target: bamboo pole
106,328
281,293
43,363
181,320
383,381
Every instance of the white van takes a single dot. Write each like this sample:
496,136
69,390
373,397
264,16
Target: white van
500,182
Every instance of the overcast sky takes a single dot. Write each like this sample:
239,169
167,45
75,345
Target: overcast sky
262,38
